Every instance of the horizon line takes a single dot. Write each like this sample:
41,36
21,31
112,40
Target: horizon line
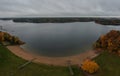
61,16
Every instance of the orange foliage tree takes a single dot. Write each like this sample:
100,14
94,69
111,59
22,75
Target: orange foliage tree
90,66
1,37
4,36
110,41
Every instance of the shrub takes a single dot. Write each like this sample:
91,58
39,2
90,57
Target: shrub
89,66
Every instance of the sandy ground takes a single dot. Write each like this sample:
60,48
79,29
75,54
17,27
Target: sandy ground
61,61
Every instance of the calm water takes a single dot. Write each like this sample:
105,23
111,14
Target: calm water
57,39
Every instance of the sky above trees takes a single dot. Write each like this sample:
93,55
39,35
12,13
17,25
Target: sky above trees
31,8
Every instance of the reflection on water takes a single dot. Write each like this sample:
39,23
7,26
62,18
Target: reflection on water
57,39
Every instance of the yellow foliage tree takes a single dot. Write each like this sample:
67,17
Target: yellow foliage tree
90,66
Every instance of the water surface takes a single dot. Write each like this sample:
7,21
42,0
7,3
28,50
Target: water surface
57,39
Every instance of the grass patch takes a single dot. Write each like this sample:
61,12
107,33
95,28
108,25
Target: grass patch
9,64
109,64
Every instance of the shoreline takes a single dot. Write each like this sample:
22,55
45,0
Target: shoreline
57,61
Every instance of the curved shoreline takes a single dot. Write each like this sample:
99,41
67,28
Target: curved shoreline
61,61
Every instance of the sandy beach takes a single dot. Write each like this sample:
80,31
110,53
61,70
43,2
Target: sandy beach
61,61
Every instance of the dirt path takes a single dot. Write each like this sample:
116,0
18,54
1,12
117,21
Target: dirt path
61,61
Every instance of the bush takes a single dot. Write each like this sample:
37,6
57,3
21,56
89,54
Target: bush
89,66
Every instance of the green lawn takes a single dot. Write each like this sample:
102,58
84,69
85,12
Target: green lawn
109,66
9,64
109,63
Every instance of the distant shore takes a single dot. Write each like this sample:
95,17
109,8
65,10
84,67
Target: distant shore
98,20
57,61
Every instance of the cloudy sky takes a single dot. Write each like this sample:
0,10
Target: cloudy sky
32,8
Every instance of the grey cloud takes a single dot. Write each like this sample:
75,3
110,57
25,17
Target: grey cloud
13,8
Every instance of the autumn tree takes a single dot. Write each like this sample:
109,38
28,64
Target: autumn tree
110,41
1,37
90,66
4,36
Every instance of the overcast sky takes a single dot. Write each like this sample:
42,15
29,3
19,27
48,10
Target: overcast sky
30,8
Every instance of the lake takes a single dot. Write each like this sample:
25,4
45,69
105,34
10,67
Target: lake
57,39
